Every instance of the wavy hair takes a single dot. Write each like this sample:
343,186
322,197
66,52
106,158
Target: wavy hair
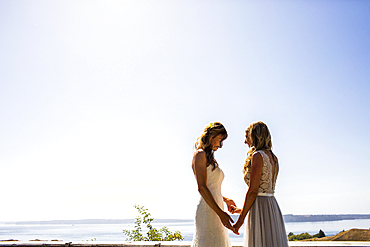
204,141
261,140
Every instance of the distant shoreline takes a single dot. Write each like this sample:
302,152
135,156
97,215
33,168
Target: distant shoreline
287,218
324,217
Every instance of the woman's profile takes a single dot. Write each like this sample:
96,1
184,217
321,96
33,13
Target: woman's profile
265,225
210,218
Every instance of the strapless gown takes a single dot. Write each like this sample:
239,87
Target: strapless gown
209,230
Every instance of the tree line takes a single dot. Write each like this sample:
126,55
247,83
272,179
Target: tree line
306,235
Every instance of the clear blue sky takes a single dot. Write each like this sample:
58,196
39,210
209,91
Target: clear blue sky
102,101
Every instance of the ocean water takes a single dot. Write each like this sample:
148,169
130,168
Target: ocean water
77,232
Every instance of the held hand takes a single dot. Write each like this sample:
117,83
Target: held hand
230,205
235,210
226,221
237,226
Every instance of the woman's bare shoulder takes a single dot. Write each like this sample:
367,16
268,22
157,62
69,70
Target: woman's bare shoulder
257,157
199,154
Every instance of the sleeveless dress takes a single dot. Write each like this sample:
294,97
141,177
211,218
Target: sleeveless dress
264,226
209,230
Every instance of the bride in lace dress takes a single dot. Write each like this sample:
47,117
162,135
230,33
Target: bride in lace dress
210,218
265,225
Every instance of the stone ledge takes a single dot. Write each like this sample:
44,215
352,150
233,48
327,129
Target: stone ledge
161,244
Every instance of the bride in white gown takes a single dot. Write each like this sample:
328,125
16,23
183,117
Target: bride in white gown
210,218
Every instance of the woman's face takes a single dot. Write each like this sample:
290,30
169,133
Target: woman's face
248,139
216,142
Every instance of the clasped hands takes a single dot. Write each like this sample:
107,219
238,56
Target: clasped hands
227,220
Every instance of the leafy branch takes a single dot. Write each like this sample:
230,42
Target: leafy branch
152,234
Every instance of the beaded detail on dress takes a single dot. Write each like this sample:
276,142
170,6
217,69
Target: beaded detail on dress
268,177
209,230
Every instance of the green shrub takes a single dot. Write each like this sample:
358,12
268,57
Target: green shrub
304,236
321,234
152,234
301,236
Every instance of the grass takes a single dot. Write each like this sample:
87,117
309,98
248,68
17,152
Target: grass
350,235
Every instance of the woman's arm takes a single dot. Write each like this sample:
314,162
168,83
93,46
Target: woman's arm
255,177
200,170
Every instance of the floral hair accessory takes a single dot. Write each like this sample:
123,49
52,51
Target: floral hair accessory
211,125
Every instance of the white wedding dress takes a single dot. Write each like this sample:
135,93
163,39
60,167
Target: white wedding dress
209,230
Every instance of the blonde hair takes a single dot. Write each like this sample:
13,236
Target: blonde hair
261,140
204,141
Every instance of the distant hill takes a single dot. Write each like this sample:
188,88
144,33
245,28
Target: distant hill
350,235
324,217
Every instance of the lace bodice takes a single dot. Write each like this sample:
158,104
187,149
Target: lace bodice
268,177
